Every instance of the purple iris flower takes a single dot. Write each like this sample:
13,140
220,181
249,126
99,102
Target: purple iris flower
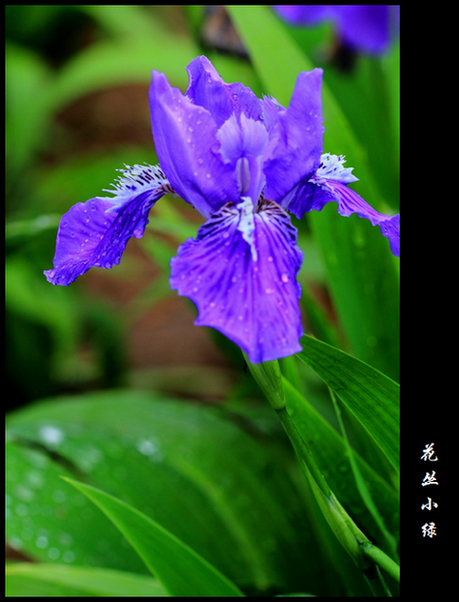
366,28
241,162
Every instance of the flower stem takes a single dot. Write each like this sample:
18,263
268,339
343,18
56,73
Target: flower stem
384,561
366,556
347,532
303,451
269,378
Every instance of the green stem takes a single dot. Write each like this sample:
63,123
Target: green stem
269,379
366,556
383,560
344,528
302,451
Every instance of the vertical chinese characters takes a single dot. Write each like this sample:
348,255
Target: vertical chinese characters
428,455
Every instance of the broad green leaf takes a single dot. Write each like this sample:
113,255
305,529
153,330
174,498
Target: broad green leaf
187,467
372,397
362,273
47,520
180,569
23,579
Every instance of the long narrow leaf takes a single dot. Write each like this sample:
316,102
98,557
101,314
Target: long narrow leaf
180,569
362,487
329,452
371,396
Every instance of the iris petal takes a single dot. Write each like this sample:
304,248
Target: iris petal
350,202
243,145
186,142
250,298
207,89
312,195
295,139
95,233
329,183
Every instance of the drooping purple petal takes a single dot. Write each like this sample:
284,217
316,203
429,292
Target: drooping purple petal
249,294
350,202
95,233
329,183
296,139
185,136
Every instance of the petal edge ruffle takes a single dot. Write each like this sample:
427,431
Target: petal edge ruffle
95,233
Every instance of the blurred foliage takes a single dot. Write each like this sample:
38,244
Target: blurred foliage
77,80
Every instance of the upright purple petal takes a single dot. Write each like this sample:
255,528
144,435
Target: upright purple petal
296,139
95,233
185,136
249,293
243,145
207,89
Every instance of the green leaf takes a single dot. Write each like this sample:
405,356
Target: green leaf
362,486
372,397
180,569
179,463
23,579
329,453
